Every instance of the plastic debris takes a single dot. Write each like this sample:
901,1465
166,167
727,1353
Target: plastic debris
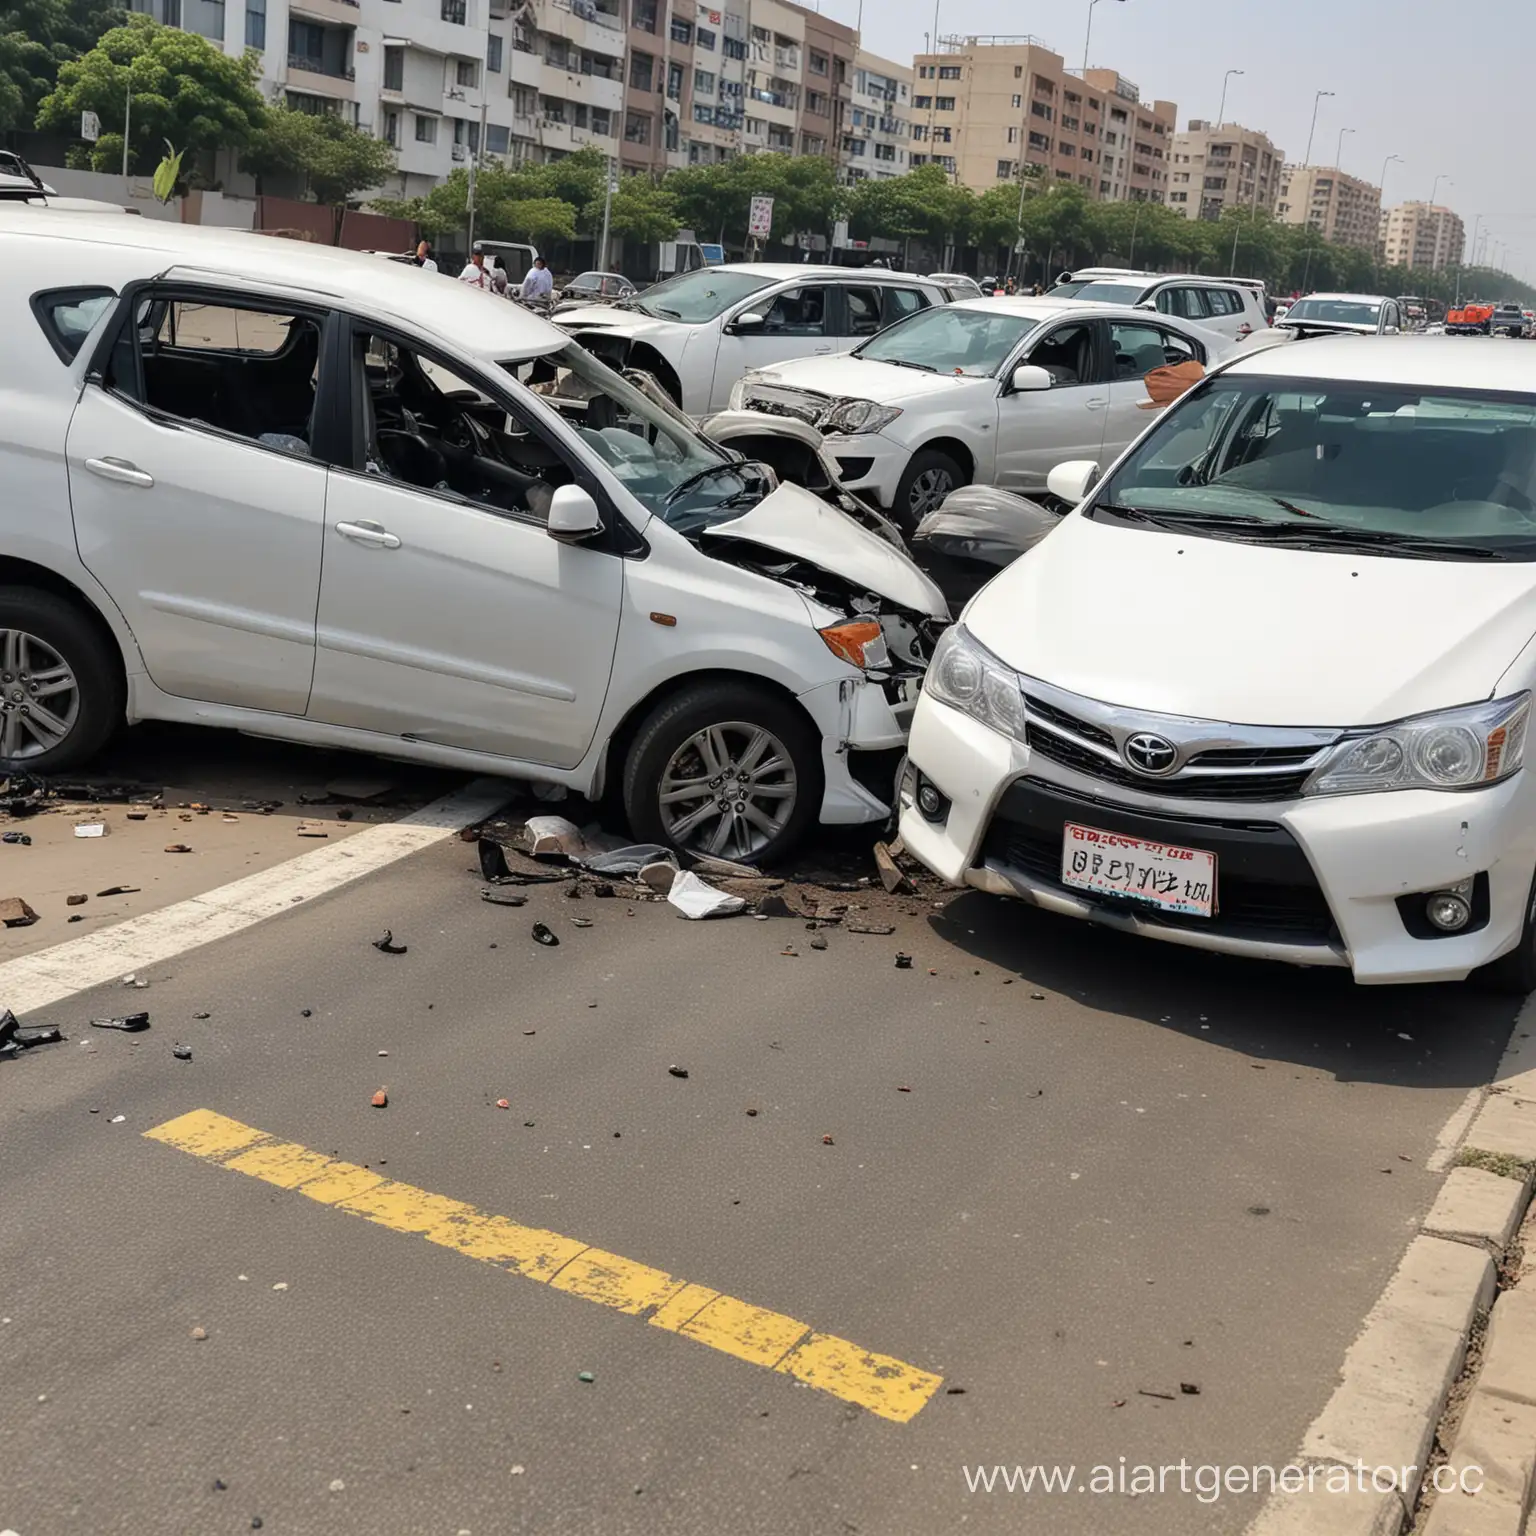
678,1071
17,837
879,930
15,913
132,980
631,859
493,860
312,829
91,829
542,935
182,1052
659,876
118,890
117,1119
502,898
380,1100
387,945
129,1024
694,899
199,1334
586,1376
903,961
581,922
827,1141
555,837
177,848
503,1104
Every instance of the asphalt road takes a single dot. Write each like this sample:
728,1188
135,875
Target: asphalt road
1119,1168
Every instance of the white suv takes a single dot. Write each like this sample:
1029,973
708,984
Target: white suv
700,332
1233,309
295,491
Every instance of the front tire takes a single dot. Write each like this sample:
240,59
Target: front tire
727,769
61,688
929,477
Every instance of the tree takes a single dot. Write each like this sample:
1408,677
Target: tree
184,90
643,210
507,207
335,159
1058,223
36,37
716,200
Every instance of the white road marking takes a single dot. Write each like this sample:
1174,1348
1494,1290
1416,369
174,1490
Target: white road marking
1448,1142
36,980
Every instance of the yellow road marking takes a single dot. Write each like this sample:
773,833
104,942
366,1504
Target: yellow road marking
880,1383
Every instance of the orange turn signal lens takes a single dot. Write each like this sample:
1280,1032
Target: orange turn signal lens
861,644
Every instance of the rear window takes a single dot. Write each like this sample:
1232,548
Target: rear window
68,314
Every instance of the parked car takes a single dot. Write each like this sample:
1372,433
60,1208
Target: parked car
597,288
1324,314
1068,284
26,187
1233,308
296,491
1507,320
990,391
698,333
1265,690
960,286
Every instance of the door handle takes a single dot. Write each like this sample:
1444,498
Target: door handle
817,351
121,471
1096,405
368,533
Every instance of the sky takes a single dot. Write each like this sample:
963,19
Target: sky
1448,87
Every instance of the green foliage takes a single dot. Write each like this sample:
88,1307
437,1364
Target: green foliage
643,210
184,90
715,200
36,37
335,159
167,173
509,205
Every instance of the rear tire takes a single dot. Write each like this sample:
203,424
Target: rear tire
742,767
61,684
929,477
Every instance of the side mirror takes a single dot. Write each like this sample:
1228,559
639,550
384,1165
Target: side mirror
1070,482
746,324
1028,377
573,515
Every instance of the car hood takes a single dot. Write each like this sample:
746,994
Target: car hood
608,317
791,521
1217,630
845,377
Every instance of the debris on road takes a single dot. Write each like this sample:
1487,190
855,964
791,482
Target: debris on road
128,1024
903,960
725,869
1167,1397
387,945
891,876
182,1052
554,837
878,930
625,858
581,922
132,980
380,1100
17,837
586,1376
542,935
76,901
695,899
312,829
1189,1389
678,1071
818,942
177,848
502,898
503,1104
15,913
118,890
493,860
358,789
91,829
117,1119
199,1334
827,1141
659,876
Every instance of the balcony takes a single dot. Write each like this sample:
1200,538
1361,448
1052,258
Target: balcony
310,77
342,13
459,152
787,58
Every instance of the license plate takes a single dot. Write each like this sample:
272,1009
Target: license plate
1159,874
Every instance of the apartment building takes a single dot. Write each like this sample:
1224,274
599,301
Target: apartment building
1215,166
1423,236
878,138
1340,207
985,108
1136,140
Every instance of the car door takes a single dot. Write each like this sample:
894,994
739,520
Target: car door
445,618
1186,301
1136,347
793,320
198,480
1039,429
868,308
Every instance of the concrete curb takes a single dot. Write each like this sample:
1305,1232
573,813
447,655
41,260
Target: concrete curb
1398,1374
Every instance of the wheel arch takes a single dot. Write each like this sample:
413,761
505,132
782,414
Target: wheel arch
16,572
647,359
955,449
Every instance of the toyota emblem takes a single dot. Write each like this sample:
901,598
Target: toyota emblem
1150,754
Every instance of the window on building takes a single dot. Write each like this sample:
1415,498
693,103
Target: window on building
1018,102
949,72
640,72
602,122
702,113
819,63
703,82
885,151
1018,71
705,39
942,135
944,103
392,129
493,54
466,74
919,130
255,23
1005,170
456,12
1013,135
637,128
682,31
675,81
426,129
642,15
497,138
306,41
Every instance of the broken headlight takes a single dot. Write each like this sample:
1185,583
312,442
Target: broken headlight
968,677
855,416
1451,749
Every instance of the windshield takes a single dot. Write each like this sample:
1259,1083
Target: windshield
1340,311
656,453
1108,293
1323,464
697,296
950,339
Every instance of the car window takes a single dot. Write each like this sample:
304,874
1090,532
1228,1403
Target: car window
1101,292
901,302
1187,303
1222,301
794,312
67,316
1139,348
1342,311
1331,461
250,370
1067,355
696,297
950,338
863,311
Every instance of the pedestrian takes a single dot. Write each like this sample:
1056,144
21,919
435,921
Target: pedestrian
499,279
424,256
1010,287
539,284
1036,291
475,274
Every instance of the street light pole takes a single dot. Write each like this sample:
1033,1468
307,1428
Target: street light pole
1221,111
1434,190
1384,164
1088,38
1317,101
1338,158
609,172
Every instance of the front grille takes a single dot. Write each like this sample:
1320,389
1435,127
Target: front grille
1265,887
1253,757
1252,788
1049,714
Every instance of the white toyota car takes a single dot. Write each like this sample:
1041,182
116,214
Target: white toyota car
295,491
990,391
700,332
1266,690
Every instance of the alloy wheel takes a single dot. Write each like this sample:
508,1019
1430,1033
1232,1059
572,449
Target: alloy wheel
39,696
929,490
728,790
